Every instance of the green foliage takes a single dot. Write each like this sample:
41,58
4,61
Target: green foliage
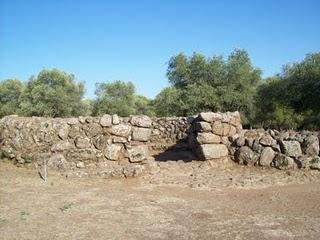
114,98
303,83
87,107
209,84
143,106
119,98
52,93
288,100
10,92
291,99
168,102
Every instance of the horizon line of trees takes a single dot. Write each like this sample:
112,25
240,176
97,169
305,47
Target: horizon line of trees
290,99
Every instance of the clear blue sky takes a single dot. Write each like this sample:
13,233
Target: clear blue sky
133,40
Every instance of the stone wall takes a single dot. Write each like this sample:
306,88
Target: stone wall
117,145
124,146
210,132
282,150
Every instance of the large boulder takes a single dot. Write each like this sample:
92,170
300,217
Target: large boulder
266,157
207,137
291,148
212,151
141,134
210,116
283,162
310,145
246,156
141,121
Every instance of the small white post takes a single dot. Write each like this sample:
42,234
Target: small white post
45,170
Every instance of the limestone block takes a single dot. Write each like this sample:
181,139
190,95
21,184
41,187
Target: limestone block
141,121
213,151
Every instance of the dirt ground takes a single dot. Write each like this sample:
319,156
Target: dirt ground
178,201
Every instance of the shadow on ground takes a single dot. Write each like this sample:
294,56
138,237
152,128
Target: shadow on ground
179,151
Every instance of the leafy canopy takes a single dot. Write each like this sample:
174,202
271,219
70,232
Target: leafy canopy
52,93
10,92
119,97
210,84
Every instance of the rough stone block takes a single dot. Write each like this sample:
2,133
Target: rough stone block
291,148
310,145
121,130
113,152
202,127
141,121
218,128
106,120
63,132
212,151
115,119
246,156
141,134
210,116
82,142
267,156
283,162
207,137
138,153
267,140
101,141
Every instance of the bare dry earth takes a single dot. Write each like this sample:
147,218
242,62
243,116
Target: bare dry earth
178,201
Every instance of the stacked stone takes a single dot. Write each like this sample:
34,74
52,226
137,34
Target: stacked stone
210,133
281,150
169,131
87,142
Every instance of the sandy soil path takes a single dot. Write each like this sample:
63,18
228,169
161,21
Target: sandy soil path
143,208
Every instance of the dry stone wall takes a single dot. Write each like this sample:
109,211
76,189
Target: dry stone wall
282,150
210,132
124,147
121,146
